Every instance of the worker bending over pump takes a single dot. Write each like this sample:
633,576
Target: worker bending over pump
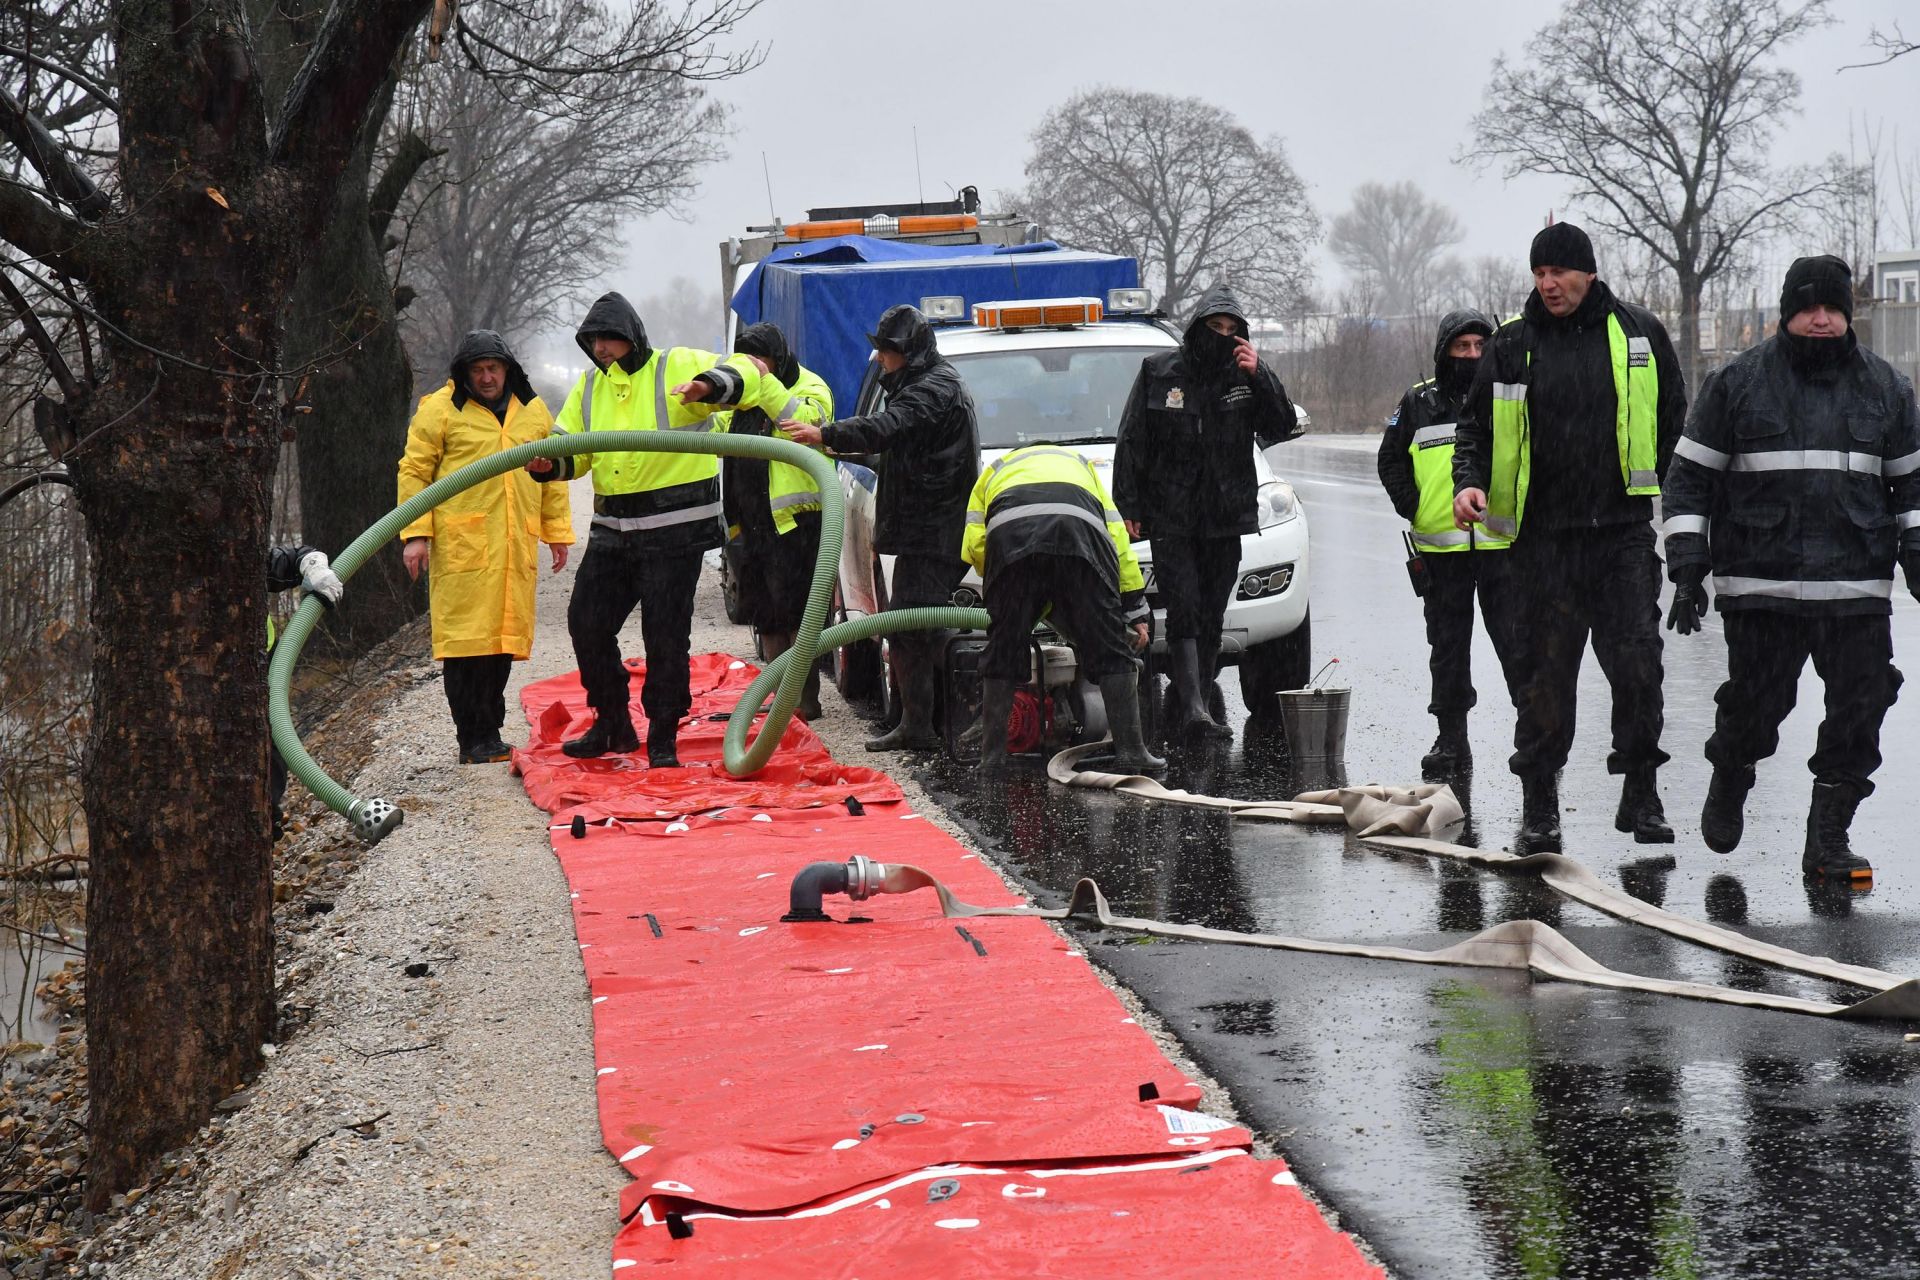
654,516
1798,485
773,509
1042,533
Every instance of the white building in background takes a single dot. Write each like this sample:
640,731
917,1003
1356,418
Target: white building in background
1896,276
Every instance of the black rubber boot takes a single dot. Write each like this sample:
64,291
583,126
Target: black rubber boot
913,667
1722,817
809,708
1121,694
663,746
1829,853
607,737
1640,810
1195,718
996,707
489,750
1451,752
1540,815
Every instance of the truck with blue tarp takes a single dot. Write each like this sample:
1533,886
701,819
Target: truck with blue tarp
1059,374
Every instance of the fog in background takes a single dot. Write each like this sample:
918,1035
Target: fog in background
1359,92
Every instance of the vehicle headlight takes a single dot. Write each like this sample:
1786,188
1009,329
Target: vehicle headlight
1277,503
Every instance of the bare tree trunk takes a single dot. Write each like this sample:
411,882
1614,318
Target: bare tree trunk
180,989
341,315
1687,346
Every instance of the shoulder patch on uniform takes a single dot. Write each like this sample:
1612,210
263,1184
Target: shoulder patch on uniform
1393,419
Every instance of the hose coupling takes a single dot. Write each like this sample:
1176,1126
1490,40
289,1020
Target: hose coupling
859,878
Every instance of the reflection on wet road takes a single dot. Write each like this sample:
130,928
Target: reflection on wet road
1479,1124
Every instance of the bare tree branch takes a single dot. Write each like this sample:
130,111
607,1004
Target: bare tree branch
65,73
352,58
1660,113
66,180
1178,183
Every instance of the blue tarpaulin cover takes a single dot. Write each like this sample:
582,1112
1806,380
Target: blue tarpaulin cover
826,294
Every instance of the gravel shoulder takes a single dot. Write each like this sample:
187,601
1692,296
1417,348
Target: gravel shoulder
412,1125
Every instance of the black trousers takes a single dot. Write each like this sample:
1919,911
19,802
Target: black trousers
1195,577
1765,653
922,581
476,694
1454,578
1567,586
1085,610
619,572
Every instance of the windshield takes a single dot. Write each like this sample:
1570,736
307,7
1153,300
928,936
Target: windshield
1060,394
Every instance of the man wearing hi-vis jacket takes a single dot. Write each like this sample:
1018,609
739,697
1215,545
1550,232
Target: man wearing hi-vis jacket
1798,486
1416,469
1042,532
1573,415
654,516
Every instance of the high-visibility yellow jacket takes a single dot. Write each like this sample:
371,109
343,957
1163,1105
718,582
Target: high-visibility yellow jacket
790,490
672,498
485,539
1047,499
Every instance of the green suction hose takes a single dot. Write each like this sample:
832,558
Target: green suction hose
373,817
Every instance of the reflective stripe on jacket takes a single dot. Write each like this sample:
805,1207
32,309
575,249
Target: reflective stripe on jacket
668,488
1636,384
1046,499
1429,449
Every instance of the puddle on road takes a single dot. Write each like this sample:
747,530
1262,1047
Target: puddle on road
26,958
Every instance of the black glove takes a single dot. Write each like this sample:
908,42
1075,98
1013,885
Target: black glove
1689,606
1910,566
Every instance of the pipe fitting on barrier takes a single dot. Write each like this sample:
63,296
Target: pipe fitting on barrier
858,877
373,818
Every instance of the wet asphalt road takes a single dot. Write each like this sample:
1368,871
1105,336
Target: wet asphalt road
1471,1123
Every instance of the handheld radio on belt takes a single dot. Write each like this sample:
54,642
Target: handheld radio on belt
1416,566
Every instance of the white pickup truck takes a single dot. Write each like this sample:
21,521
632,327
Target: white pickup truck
1068,384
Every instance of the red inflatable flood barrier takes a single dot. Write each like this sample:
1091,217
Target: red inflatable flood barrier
761,1079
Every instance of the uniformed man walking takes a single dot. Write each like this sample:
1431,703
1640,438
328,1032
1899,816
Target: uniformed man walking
1042,532
1184,477
1416,468
1798,486
1573,415
654,515
928,452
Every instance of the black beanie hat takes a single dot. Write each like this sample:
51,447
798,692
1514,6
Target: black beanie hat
1562,245
1811,281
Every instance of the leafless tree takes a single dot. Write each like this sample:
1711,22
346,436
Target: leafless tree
1659,113
1179,184
170,171
1889,44
686,311
1489,282
1394,237
539,171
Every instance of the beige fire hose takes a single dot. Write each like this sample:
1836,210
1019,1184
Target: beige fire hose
1404,820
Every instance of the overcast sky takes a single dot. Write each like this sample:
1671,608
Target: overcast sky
1359,90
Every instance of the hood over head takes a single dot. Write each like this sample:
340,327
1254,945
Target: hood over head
1207,350
1452,325
611,313
485,344
766,341
902,328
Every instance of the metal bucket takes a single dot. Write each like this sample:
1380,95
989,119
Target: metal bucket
1315,721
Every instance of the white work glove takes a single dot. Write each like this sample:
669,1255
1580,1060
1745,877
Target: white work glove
319,579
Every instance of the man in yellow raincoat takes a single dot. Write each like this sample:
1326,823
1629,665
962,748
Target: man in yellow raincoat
481,542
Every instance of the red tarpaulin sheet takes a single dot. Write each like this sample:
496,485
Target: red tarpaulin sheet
1221,1215
751,1067
801,773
